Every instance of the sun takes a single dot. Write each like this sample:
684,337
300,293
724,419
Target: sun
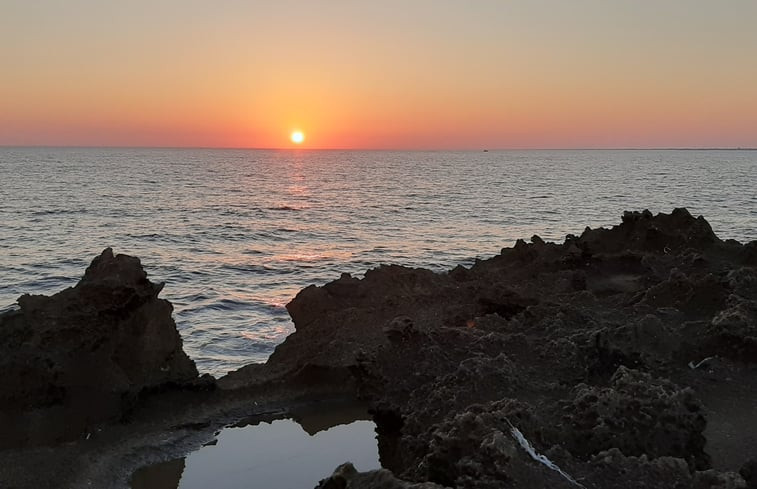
297,137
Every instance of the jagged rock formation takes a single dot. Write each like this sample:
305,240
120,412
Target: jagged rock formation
621,358
586,347
83,355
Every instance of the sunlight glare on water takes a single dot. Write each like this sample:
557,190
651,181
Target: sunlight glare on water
236,233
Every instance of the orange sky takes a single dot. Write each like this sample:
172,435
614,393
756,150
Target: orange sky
392,74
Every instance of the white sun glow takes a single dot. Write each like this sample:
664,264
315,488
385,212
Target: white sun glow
297,137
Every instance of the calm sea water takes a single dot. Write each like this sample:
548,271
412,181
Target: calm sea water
276,455
236,233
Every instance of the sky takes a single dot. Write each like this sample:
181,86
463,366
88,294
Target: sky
394,74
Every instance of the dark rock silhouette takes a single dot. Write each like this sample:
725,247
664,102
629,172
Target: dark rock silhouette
589,348
621,358
85,354
347,477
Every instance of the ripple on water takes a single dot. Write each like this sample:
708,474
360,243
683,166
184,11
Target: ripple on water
235,234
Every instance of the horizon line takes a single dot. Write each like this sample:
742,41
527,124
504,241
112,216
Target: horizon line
467,149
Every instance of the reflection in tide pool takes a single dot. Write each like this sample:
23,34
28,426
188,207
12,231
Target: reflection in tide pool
279,455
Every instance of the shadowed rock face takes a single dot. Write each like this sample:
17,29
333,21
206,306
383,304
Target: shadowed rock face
584,347
625,356
84,354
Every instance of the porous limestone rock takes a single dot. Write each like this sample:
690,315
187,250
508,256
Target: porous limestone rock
85,354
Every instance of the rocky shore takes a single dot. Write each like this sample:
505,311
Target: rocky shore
623,357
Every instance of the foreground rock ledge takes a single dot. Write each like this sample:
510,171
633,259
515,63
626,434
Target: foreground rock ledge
626,356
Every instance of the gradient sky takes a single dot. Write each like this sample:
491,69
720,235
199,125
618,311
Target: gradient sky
389,74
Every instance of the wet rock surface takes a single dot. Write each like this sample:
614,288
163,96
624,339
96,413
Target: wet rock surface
621,358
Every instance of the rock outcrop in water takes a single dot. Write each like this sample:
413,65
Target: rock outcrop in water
347,477
85,354
621,358
609,354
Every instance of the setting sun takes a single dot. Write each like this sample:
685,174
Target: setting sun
297,137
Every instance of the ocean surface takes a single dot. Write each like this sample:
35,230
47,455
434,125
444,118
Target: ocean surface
235,234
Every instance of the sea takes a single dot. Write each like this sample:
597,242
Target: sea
235,234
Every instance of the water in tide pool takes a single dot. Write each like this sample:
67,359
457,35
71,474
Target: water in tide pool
281,454
236,233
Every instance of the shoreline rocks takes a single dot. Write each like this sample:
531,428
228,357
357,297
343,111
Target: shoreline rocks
584,346
85,355
626,357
